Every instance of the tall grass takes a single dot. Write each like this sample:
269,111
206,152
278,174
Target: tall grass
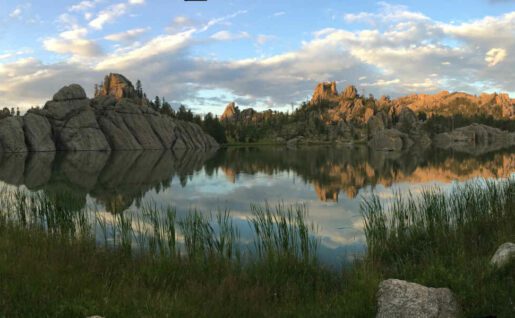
153,263
446,239
60,260
278,231
283,232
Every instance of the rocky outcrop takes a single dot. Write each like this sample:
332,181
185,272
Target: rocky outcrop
350,92
397,298
111,121
475,138
231,112
324,91
504,254
12,138
117,86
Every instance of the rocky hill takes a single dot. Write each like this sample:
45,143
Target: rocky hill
115,119
384,124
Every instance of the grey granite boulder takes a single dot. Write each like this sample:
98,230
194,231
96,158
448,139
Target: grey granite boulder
401,299
117,119
82,132
504,254
38,132
389,140
71,92
12,138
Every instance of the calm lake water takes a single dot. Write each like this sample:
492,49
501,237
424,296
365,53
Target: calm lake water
331,181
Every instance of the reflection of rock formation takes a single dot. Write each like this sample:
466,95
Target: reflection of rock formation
116,180
120,179
332,171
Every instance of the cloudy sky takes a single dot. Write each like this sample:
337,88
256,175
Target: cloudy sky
264,54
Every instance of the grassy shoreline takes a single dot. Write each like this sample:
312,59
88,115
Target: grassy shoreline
52,266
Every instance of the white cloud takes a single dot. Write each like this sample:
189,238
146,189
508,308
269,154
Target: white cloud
495,56
127,36
84,5
399,57
15,13
19,11
73,42
157,47
109,14
262,39
228,36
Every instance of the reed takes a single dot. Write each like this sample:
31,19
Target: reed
446,239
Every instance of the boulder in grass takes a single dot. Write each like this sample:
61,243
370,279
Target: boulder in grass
401,299
504,254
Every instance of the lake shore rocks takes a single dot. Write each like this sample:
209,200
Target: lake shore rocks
116,119
397,298
475,138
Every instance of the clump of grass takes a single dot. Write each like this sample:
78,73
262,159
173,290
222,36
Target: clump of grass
283,232
202,238
446,239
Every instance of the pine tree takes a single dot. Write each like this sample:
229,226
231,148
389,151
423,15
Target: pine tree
157,103
139,89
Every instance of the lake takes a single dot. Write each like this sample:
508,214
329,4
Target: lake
331,181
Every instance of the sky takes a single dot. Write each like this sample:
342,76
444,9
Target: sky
261,54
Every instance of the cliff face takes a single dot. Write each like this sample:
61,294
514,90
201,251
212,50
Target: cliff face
113,120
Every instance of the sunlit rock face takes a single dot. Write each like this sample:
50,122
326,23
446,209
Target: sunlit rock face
231,112
325,91
118,86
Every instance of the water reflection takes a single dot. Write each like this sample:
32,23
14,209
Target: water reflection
330,181
119,179
332,171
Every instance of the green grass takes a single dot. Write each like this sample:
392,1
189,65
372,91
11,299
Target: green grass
444,239
158,265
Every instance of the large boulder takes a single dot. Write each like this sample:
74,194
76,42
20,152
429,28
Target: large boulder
71,92
504,254
408,122
390,140
73,121
82,132
12,138
401,299
38,132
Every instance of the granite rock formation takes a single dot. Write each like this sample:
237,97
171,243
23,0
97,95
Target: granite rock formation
475,138
114,120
